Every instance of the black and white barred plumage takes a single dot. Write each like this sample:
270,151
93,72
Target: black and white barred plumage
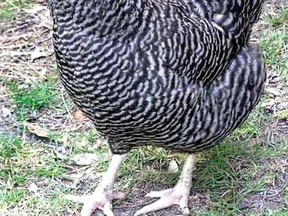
176,74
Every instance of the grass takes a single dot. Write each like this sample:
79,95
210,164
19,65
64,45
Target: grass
9,8
21,164
280,20
31,98
243,176
273,47
274,44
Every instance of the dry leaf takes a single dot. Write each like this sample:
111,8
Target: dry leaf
45,20
85,159
33,188
79,116
61,152
100,142
6,112
34,128
273,91
39,54
35,10
173,166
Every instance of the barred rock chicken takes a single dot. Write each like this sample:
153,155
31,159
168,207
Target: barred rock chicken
177,74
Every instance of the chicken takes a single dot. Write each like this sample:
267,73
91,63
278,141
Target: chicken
174,74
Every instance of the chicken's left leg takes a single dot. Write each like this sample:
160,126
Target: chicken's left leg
178,195
104,194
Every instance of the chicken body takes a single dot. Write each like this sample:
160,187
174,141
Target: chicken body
174,74
141,70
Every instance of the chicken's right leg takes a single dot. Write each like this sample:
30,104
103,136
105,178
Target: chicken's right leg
104,194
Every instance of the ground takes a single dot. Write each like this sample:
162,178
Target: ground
48,149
